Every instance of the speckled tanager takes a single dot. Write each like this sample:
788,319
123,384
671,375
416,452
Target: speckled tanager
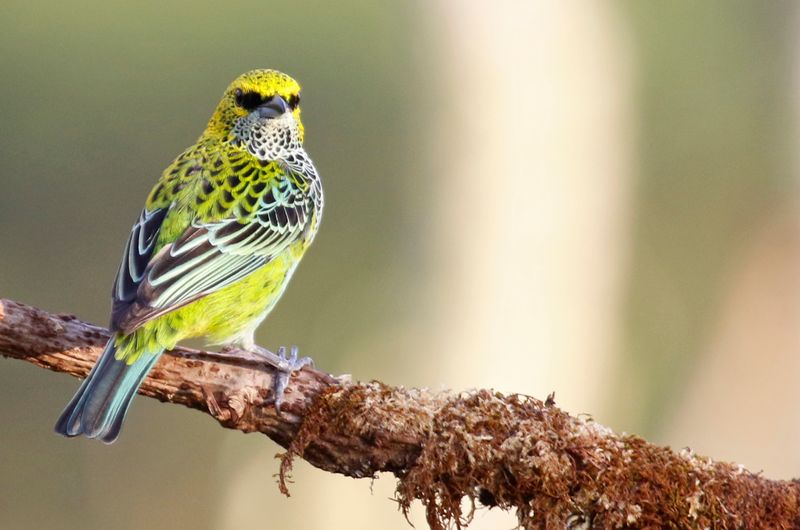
219,237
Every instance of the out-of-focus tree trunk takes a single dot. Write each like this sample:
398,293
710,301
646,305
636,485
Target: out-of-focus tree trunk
532,160
532,165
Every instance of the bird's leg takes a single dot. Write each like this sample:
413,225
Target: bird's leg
240,352
283,364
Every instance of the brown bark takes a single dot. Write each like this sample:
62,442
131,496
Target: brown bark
512,452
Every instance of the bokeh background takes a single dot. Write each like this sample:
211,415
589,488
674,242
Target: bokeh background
594,198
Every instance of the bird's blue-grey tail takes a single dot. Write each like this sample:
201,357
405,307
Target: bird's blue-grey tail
99,406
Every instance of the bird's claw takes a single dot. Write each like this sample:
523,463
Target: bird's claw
284,365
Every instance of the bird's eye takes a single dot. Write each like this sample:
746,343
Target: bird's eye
293,101
247,100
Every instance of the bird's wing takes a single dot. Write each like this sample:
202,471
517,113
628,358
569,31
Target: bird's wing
138,250
208,256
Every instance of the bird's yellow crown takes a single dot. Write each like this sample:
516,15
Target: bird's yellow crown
246,92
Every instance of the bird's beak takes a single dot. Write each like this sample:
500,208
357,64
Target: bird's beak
274,107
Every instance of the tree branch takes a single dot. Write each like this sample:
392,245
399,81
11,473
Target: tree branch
513,452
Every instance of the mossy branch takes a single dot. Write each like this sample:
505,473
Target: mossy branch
510,452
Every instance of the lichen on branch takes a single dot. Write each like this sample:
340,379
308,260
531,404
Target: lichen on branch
451,451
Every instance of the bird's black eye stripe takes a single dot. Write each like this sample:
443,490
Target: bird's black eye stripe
250,100
247,100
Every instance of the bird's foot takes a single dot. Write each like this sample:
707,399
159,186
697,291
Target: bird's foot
284,365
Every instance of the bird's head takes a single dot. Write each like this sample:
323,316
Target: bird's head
260,112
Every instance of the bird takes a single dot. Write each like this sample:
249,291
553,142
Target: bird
219,237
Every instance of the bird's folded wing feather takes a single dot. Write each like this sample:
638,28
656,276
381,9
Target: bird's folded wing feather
205,258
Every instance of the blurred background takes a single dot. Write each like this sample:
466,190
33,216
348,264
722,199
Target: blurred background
594,198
